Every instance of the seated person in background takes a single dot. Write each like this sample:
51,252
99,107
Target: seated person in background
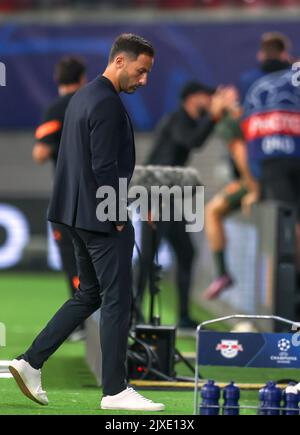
273,58
177,135
241,192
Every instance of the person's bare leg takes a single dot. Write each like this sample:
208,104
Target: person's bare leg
215,212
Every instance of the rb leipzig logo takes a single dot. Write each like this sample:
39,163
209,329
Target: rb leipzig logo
229,348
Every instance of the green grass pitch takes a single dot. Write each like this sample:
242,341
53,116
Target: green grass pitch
27,303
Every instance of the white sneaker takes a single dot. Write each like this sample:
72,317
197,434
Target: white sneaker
130,400
28,380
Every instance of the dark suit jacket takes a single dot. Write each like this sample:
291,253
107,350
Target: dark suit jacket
96,149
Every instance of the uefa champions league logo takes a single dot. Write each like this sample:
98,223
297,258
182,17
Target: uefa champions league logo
284,345
229,348
284,357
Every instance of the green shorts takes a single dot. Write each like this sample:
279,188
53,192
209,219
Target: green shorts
234,192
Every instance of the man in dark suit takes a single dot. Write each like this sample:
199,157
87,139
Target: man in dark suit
96,150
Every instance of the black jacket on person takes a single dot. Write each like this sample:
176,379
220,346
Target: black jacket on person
96,149
50,130
177,135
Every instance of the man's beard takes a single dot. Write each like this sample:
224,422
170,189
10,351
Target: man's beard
124,80
130,91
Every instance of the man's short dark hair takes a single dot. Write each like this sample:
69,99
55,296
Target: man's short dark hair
273,44
69,70
132,44
193,87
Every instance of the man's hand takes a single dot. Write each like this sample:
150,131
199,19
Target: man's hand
230,97
225,98
41,152
120,227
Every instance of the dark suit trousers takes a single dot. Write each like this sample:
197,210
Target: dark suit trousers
105,274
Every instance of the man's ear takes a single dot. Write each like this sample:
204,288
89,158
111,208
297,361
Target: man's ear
83,80
119,61
260,56
285,56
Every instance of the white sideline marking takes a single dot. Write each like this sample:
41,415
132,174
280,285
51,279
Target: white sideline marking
4,372
5,375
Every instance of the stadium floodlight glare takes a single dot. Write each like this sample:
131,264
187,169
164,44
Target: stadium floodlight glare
2,74
17,235
54,258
